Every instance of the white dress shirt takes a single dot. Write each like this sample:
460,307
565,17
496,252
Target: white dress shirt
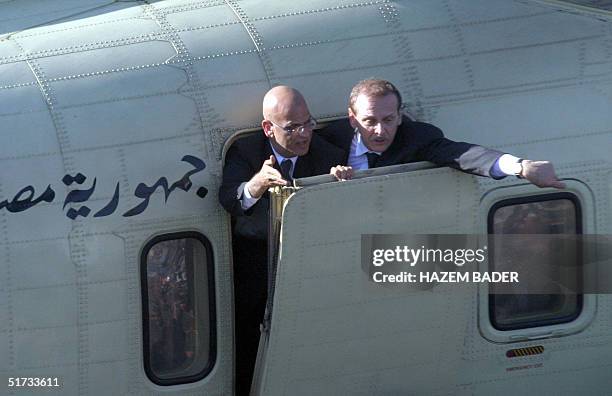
358,158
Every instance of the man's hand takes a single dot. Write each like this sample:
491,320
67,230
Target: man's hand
541,173
342,172
266,177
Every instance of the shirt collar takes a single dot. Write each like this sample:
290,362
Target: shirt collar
360,147
280,158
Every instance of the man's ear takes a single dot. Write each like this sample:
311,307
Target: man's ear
401,117
267,128
352,118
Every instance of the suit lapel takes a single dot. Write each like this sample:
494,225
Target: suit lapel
303,166
266,153
346,140
392,155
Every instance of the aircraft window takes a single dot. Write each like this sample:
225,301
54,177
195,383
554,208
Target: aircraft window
547,214
178,308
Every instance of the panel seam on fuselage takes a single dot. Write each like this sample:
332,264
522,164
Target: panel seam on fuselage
255,38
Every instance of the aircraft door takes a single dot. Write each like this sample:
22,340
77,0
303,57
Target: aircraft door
332,329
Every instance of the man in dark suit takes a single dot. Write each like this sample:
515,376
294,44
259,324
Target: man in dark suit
377,135
285,150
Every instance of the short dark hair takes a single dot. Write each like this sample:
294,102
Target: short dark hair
374,87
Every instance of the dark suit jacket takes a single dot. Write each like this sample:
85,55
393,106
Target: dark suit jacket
245,158
418,141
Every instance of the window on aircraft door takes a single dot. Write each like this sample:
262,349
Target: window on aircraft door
544,214
178,308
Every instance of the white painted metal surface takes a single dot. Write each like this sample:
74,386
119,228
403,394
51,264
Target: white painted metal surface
121,90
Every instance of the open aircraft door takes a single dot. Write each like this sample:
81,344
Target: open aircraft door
333,330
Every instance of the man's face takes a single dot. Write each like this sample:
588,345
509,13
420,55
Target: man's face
376,118
290,144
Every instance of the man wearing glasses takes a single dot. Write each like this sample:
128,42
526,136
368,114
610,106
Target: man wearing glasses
377,134
285,150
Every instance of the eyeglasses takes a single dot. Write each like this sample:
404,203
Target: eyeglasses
297,128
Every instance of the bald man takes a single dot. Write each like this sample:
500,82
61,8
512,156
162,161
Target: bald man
253,164
285,149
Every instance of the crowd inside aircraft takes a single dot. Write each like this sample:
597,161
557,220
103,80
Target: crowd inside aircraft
171,309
